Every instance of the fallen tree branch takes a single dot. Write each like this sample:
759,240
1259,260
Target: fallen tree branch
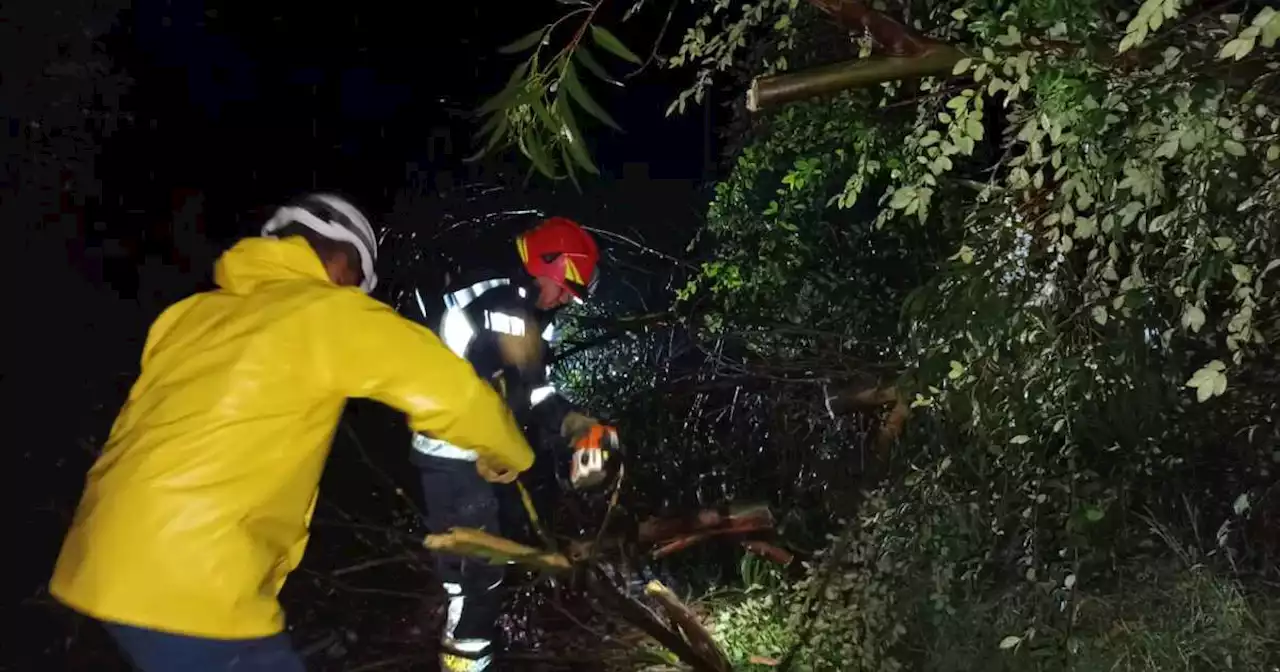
688,624
641,617
497,550
681,543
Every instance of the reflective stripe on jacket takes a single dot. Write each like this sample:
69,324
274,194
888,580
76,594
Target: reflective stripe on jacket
495,325
198,507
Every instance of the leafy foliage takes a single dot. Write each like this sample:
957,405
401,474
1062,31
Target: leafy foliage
537,111
1064,256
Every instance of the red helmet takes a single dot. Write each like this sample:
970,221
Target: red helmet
561,251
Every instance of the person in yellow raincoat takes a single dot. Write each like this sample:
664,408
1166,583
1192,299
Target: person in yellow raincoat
198,508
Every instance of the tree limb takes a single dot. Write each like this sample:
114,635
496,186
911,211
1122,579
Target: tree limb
775,90
688,624
475,543
641,617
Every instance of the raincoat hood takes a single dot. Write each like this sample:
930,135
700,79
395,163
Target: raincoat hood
254,261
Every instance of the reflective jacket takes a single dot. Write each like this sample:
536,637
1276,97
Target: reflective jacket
198,507
490,319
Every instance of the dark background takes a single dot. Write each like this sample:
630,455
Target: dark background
141,140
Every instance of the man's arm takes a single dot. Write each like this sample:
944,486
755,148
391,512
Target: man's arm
376,354
523,354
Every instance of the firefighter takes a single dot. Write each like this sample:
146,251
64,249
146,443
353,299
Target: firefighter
500,318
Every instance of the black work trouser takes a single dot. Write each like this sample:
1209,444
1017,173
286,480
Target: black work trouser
456,496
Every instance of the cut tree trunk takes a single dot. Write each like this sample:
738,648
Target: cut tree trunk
904,53
775,90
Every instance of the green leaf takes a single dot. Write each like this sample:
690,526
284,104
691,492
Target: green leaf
544,115
488,126
1270,30
515,85
613,45
902,197
1019,439
961,65
1099,314
1209,381
1234,148
569,170
576,91
1010,642
973,127
537,153
524,43
1241,505
589,62
574,142
1193,318
498,132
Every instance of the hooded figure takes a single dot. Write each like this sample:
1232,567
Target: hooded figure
198,508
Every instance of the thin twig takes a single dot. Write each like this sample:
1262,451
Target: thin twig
368,564
657,42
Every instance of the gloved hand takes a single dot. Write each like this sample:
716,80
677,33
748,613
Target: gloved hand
495,473
591,449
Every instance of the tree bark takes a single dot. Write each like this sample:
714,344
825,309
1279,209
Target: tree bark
688,624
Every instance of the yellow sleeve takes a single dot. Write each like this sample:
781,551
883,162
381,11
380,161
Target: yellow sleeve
376,354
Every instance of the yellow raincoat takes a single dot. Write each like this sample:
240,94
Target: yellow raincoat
198,508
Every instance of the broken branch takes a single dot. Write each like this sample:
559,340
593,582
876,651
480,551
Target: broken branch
775,90
688,624
474,543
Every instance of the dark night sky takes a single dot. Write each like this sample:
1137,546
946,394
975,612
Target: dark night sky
232,107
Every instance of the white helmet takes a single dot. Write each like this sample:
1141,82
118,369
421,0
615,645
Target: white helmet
335,219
